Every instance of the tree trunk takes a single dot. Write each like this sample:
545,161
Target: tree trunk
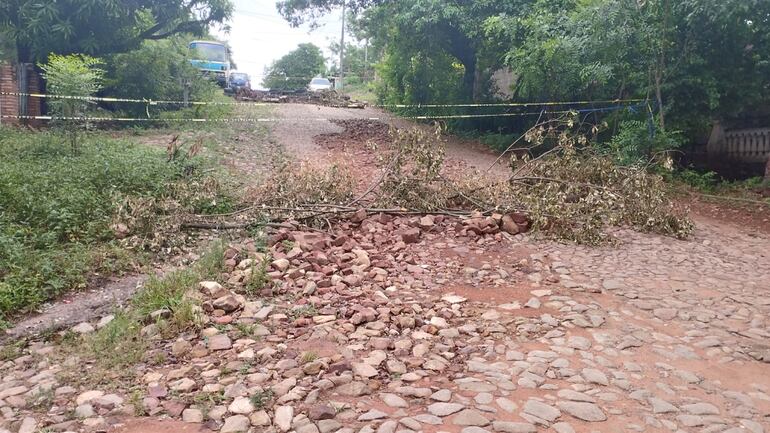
659,98
23,52
469,78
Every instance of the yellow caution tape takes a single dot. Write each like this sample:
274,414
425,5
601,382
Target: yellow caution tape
277,119
479,105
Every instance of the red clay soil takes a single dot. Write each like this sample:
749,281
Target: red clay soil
755,217
150,425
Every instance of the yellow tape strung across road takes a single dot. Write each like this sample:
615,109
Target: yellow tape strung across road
493,104
140,101
278,119
508,104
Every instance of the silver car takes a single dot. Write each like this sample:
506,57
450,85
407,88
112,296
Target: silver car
319,84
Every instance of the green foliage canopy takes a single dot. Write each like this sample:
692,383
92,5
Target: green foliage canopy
295,70
695,60
99,27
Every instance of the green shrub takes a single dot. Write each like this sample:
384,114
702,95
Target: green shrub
498,142
634,143
707,181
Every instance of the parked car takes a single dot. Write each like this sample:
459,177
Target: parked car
319,84
239,80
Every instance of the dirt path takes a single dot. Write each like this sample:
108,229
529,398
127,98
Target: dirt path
300,127
74,308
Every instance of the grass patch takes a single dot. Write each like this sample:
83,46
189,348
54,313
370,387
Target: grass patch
112,350
308,357
710,182
262,399
498,142
302,311
172,292
58,210
120,343
258,278
11,350
361,92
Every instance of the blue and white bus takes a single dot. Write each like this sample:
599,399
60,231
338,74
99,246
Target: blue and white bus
213,59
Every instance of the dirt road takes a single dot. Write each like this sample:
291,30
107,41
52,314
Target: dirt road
405,325
303,123
653,335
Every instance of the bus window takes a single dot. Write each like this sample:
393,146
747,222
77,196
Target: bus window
210,52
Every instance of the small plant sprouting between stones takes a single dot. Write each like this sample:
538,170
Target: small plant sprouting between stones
258,278
262,399
303,311
308,357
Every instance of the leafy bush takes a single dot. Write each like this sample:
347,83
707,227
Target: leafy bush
221,109
57,210
707,181
634,142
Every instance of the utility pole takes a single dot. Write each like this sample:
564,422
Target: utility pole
366,61
342,48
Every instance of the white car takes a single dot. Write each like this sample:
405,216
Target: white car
319,84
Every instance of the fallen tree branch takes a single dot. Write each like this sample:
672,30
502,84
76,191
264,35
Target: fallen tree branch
335,210
379,181
233,226
510,147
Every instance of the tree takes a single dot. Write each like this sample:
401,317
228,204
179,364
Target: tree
358,62
72,75
420,28
99,27
295,70
694,60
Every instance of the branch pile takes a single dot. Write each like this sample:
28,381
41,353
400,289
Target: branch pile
569,192
326,98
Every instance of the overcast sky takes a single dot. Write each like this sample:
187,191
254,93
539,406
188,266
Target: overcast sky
259,35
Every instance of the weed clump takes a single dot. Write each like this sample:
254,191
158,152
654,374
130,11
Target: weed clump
125,341
262,399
